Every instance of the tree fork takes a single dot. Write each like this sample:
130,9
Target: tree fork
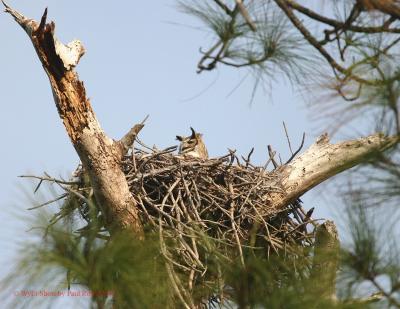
100,155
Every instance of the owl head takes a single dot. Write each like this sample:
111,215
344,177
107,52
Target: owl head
192,145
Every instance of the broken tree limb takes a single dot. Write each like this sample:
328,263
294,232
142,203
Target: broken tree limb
326,260
100,155
324,160
128,139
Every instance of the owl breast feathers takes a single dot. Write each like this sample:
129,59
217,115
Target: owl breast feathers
192,145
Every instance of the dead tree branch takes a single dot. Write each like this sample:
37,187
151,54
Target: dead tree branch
326,259
324,160
100,155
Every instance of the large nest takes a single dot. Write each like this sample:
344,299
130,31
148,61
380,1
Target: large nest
200,207
203,205
226,198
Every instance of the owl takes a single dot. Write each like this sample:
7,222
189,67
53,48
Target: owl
192,145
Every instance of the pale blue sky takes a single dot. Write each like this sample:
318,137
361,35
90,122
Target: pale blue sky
137,63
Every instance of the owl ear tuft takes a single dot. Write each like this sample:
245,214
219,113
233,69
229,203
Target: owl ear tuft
193,133
179,138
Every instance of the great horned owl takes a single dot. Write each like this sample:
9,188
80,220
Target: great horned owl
192,145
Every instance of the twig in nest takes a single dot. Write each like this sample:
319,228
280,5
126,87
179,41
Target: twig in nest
248,157
298,150
272,156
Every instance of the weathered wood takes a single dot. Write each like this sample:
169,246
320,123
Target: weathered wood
100,155
326,260
324,160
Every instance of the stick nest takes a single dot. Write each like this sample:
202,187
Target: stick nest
200,207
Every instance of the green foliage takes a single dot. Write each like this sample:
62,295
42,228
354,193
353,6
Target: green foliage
130,273
123,270
351,57
275,50
370,262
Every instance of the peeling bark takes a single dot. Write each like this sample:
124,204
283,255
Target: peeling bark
100,155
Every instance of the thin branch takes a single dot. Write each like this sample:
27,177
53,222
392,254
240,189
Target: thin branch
50,179
389,297
246,15
49,202
223,42
287,137
207,55
311,39
224,7
337,24
298,150
271,154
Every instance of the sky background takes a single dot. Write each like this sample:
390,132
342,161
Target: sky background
140,59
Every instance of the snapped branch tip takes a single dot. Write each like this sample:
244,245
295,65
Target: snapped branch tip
43,20
144,120
19,18
5,4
